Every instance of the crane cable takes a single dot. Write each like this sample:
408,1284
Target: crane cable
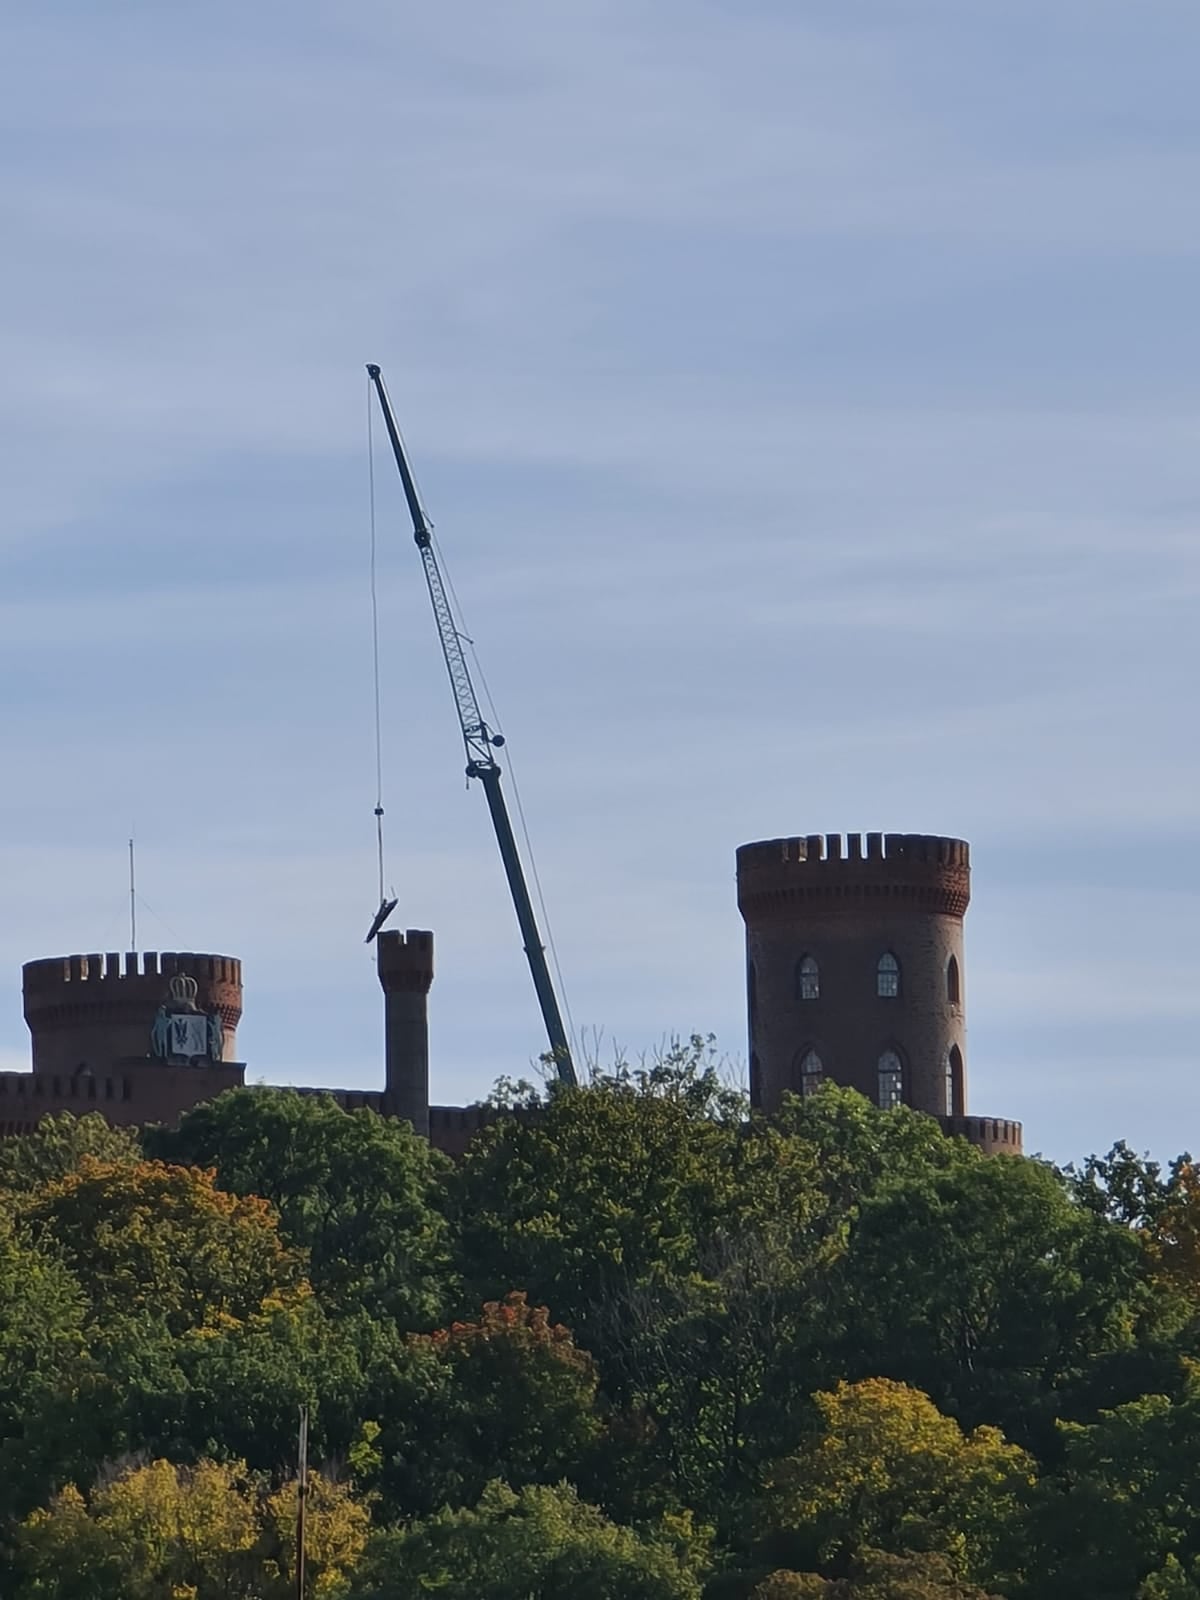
516,791
375,651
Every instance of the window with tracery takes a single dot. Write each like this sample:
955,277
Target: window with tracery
808,979
887,977
812,1073
891,1080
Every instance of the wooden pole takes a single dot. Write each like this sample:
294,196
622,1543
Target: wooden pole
301,1498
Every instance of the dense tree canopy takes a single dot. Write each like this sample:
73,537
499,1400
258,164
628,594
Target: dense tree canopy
637,1343
359,1193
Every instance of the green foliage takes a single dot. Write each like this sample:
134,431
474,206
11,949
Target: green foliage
600,1188
1171,1583
543,1541
987,1286
357,1192
1125,1501
56,1147
507,1396
43,1364
830,1355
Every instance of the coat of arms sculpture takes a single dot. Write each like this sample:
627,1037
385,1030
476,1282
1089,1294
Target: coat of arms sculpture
181,1031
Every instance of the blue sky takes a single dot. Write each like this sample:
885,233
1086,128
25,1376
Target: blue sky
806,397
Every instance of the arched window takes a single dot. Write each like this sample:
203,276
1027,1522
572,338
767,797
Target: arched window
952,985
812,1073
808,979
954,1082
891,1080
887,977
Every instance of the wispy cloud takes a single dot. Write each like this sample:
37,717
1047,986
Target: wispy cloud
807,401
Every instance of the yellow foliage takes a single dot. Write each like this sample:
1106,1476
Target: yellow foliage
335,1533
886,1468
195,1533
146,1236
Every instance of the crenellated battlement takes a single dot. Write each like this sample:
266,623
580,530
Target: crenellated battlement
405,960
992,1135
925,870
50,974
824,849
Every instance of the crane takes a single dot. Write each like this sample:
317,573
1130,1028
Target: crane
480,743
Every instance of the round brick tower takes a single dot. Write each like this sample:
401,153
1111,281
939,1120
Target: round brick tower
96,1012
855,967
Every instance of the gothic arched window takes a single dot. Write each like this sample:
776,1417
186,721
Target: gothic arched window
887,977
954,1082
952,983
891,1080
812,1073
808,979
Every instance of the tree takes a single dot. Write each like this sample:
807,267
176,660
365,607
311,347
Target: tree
506,1395
56,1147
44,1366
163,1242
1122,1502
543,1541
207,1532
1171,1582
678,1242
882,1468
235,1391
335,1537
622,1182
1163,1209
155,1533
876,1575
361,1194
990,1288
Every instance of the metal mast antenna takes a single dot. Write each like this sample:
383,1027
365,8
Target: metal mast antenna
132,902
480,743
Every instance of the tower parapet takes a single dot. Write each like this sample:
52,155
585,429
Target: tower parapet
774,876
95,1011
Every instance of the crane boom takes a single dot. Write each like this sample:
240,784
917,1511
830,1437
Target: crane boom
480,743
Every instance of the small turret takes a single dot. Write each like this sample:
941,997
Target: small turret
405,975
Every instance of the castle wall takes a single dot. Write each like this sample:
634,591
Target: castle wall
133,1093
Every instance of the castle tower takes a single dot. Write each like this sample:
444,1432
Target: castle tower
406,974
854,970
94,1013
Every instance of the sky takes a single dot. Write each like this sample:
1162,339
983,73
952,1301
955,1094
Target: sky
807,399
